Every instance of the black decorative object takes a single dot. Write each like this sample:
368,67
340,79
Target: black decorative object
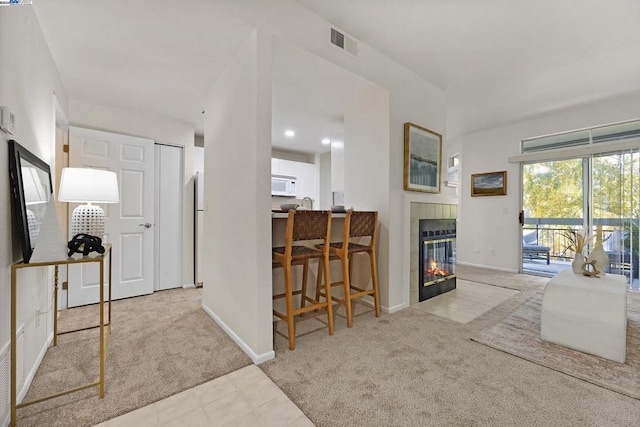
85,244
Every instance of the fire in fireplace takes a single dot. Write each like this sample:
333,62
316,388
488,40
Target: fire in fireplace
437,256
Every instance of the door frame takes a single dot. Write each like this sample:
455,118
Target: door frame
78,275
157,228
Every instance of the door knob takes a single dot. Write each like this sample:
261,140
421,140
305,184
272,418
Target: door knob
146,225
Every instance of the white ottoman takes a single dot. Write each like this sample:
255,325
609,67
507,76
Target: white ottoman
586,314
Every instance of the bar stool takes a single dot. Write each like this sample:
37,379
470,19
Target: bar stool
356,224
304,225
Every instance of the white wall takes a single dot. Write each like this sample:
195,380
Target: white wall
337,167
198,159
237,272
324,181
411,99
28,80
366,186
492,222
160,129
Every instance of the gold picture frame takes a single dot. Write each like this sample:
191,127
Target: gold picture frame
489,184
422,159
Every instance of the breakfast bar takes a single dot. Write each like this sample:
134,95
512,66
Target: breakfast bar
278,229
304,241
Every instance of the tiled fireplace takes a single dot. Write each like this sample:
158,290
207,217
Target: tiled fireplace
432,254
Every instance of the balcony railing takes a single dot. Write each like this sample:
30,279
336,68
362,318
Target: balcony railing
618,241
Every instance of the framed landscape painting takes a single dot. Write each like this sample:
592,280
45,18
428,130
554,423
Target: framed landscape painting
489,184
422,159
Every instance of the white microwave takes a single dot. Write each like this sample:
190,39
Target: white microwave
283,185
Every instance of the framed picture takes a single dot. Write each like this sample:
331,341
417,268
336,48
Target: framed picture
422,159
489,184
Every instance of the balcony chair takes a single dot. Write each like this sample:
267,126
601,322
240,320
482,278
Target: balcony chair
531,250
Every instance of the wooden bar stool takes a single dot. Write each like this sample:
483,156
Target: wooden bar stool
301,226
356,224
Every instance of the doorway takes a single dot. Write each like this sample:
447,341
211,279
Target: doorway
596,191
168,207
132,226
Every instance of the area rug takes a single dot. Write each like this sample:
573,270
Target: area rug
160,344
519,334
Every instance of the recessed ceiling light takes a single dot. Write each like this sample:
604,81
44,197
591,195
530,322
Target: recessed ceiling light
326,141
289,133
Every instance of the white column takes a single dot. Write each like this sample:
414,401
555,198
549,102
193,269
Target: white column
237,218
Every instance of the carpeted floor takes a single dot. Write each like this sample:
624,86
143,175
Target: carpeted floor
519,334
412,368
160,344
409,368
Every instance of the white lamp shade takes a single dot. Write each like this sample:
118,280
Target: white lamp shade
79,185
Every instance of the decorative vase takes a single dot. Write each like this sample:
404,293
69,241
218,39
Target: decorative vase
577,263
598,253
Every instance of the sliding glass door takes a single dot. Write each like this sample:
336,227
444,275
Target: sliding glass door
553,205
565,197
615,193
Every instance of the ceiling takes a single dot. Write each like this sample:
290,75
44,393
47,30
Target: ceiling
157,57
499,61
310,96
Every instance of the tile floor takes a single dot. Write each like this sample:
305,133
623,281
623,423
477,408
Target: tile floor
468,301
248,397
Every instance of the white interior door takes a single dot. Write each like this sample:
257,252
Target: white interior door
133,160
169,203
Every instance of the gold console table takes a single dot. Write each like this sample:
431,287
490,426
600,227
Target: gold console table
99,258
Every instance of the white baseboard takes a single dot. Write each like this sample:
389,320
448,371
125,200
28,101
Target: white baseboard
32,373
188,285
394,309
506,270
257,358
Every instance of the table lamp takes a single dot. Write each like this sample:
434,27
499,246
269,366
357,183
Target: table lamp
83,185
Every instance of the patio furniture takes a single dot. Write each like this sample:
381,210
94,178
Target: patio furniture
531,250
587,314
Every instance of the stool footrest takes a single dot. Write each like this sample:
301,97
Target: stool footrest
298,292
334,298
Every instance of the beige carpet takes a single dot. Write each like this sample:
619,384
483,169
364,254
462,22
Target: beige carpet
519,334
412,368
160,344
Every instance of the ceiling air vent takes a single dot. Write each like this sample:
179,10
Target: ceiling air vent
343,41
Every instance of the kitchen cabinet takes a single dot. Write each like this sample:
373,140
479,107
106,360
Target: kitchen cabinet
305,174
284,167
289,168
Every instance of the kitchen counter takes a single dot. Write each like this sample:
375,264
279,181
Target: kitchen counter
279,227
281,214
